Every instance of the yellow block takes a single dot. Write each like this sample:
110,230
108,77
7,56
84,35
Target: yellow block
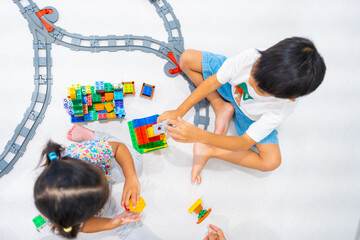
197,203
78,86
139,206
155,148
88,89
72,93
150,132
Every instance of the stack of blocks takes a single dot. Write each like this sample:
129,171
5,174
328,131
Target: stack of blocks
144,137
92,103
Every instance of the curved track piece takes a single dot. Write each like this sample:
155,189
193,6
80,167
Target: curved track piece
41,24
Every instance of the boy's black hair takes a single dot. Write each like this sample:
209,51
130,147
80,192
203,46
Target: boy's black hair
69,191
290,69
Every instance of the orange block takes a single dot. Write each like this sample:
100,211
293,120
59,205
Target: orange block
99,106
109,106
109,96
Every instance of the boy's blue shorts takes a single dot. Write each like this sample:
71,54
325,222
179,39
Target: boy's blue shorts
210,65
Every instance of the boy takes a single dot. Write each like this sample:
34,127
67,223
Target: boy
257,88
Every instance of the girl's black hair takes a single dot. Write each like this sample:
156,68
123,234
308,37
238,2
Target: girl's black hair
290,69
69,191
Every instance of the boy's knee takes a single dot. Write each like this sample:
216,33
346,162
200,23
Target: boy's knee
271,163
186,58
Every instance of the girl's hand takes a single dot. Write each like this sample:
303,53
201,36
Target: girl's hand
173,114
218,235
185,132
124,218
131,190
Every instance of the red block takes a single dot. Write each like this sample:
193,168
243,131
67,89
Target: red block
102,97
89,100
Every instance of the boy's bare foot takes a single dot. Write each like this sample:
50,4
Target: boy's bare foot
202,153
223,114
79,134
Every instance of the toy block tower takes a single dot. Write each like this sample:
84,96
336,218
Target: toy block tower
143,137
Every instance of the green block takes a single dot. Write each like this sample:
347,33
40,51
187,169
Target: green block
92,89
78,94
108,87
95,116
83,90
39,221
96,97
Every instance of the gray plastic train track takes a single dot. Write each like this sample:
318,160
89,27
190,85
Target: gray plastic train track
41,24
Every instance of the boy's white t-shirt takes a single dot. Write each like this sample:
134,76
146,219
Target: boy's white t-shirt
267,112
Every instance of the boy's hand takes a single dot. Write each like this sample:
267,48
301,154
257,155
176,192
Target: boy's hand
184,131
125,217
218,235
131,190
173,114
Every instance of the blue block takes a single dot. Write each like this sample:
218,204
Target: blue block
84,99
77,119
88,117
99,86
118,95
147,91
151,119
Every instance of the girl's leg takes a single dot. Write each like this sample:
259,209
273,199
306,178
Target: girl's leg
79,133
268,158
191,65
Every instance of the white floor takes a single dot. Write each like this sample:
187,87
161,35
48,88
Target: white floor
315,194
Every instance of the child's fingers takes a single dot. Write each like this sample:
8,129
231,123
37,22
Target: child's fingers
134,198
174,122
217,230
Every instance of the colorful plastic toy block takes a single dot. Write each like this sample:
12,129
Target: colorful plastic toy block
99,87
139,206
40,222
139,130
92,103
129,88
147,90
196,207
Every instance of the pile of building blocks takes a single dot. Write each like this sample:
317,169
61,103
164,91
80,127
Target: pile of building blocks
147,135
91,103
147,90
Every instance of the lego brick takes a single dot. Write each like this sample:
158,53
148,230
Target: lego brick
72,93
89,100
85,109
78,86
102,116
102,97
88,117
88,89
109,106
109,96
96,97
118,95
99,87
150,132
99,106
129,88
84,99
78,94
147,90
76,119
119,103
111,115
108,87
83,90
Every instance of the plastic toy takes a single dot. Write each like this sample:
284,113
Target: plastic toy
93,103
147,90
44,31
139,130
196,207
40,222
139,206
129,88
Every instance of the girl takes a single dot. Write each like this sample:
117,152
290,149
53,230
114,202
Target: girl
73,191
